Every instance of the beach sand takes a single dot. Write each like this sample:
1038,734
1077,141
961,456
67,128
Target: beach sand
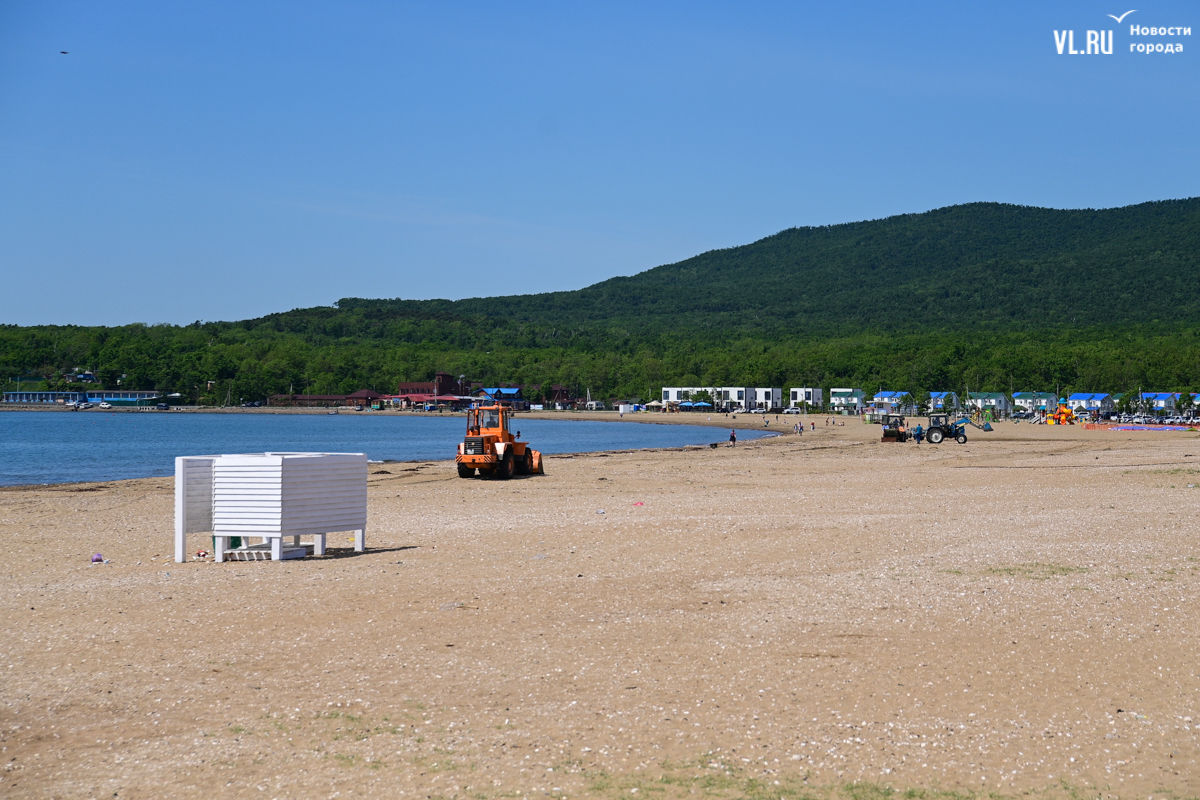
784,618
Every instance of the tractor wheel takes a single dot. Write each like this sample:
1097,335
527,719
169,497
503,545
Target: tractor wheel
935,436
961,438
525,463
466,472
506,467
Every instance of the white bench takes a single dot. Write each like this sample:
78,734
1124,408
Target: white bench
271,496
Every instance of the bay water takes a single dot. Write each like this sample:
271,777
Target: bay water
65,447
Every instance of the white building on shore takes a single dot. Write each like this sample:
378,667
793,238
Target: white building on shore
747,398
809,395
847,400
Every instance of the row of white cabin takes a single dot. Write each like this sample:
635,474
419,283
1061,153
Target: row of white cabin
855,400
1002,405
749,398
763,398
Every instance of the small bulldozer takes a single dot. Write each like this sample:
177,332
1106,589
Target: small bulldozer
491,447
894,429
940,427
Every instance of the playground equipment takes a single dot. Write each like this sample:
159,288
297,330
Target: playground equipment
1063,416
940,427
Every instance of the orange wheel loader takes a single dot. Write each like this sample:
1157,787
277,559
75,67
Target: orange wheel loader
492,448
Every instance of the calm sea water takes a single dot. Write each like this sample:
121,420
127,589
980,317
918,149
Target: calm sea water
63,447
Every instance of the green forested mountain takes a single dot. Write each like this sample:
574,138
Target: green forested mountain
976,266
996,296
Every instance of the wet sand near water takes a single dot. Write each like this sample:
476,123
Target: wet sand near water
822,616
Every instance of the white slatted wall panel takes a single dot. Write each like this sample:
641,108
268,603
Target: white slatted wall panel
289,494
193,499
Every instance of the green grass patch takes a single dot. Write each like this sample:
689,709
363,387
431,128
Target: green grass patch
1036,571
722,778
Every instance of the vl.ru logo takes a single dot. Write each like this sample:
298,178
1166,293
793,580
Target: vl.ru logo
1096,43
1101,42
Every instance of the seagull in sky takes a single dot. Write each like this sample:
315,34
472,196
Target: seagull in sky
1122,17
64,52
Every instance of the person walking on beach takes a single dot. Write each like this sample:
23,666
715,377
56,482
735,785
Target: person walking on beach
814,426
918,432
732,438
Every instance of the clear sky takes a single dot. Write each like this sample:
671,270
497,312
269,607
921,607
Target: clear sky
220,160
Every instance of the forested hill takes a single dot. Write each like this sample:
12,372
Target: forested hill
990,295
982,265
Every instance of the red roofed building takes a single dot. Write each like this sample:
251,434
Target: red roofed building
443,383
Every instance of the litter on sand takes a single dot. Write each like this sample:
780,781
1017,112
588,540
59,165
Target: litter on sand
639,504
601,511
97,558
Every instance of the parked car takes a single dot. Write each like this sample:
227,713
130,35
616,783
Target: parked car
793,410
163,407
85,405
106,405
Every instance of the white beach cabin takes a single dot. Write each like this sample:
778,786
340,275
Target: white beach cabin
270,496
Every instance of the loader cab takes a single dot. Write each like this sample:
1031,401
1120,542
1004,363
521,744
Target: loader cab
487,421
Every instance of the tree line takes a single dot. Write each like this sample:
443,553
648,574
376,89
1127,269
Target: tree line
208,363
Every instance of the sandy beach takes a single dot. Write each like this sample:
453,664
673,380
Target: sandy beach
815,616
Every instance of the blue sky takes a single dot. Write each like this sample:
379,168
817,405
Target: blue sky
226,160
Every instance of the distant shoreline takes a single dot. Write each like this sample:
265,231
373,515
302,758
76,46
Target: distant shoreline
384,438
740,421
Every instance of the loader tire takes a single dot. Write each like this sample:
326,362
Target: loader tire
525,463
961,438
506,467
935,436
466,472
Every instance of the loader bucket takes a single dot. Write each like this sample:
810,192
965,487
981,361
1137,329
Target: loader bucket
538,468
987,426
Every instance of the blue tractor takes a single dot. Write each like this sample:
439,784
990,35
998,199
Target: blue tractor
941,427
